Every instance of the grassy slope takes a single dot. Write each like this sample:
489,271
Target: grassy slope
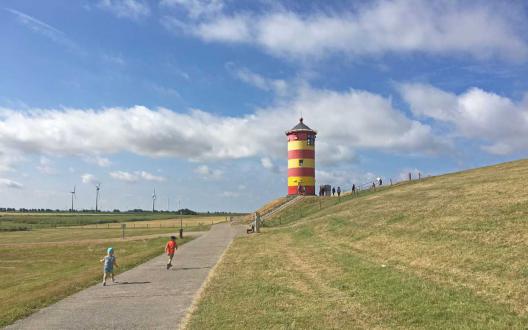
35,276
445,252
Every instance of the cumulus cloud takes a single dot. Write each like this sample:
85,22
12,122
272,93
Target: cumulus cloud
89,178
208,173
346,121
474,114
135,176
479,29
10,183
131,9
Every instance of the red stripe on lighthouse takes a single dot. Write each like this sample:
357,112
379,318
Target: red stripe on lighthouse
301,171
293,154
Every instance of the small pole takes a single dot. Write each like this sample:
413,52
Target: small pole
181,220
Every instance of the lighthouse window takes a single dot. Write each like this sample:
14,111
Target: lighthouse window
301,161
310,140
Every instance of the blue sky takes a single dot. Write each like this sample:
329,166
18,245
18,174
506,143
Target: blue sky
192,97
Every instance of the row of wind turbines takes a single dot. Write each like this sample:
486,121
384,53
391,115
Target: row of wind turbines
98,188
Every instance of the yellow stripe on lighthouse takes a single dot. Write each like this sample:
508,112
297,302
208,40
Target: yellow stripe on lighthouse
299,145
303,180
307,162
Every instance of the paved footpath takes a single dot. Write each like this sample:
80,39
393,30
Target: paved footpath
145,297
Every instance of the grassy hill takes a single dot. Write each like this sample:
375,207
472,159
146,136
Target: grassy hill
444,252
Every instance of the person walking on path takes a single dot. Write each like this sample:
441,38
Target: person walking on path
170,249
338,191
333,191
109,263
354,189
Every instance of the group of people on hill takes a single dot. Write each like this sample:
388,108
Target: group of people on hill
110,261
326,190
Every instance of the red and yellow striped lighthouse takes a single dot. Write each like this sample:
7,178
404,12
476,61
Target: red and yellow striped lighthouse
301,159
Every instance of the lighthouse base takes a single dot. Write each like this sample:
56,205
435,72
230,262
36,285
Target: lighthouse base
308,190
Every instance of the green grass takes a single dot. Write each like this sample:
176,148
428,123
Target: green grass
32,277
443,252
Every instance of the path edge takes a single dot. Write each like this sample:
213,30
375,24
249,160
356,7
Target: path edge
199,294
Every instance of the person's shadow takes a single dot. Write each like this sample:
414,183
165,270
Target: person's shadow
126,283
190,268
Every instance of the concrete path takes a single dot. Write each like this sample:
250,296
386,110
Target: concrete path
145,297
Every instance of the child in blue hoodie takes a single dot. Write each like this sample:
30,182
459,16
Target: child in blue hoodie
109,262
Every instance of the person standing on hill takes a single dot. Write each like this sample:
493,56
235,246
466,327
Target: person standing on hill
109,262
170,249
338,191
333,191
354,188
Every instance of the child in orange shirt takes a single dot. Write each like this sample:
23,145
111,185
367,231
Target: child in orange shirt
170,249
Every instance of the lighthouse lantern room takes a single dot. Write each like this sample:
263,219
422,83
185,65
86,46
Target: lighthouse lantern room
301,160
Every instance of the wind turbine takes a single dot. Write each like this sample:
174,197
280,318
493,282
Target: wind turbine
153,200
97,188
73,196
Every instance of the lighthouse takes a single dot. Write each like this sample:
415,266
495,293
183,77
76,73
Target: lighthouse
301,159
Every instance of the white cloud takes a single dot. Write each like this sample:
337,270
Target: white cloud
46,166
475,114
345,120
10,183
135,176
8,158
89,178
268,164
132,9
196,8
208,173
278,86
479,29
150,177
98,160
124,176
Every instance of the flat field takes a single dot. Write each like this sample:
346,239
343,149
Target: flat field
447,252
52,220
41,266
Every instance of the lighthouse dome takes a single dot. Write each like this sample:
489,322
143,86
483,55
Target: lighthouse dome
300,127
